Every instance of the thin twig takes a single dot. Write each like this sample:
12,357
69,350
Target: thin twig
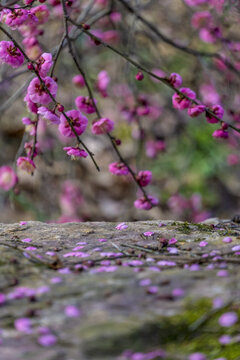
164,80
172,43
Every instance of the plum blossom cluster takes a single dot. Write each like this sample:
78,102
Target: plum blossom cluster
30,22
205,22
143,177
185,98
137,108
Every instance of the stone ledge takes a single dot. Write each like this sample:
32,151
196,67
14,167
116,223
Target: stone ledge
131,290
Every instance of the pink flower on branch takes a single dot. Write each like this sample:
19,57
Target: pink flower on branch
48,115
26,164
44,64
144,203
75,152
102,126
144,177
216,110
210,35
85,104
220,133
10,54
16,17
180,102
37,92
118,168
31,106
41,12
175,79
196,110
78,121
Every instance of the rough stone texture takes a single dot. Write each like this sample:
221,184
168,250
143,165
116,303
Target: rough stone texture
116,312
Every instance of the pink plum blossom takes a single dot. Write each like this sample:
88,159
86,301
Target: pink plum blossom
166,263
152,289
32,107
48,115
225,340
175,80
23,325
75,152
139,76
220,133
28,147
15,18
103,82
172,250
72,311
145,203
10,54
41,12
122,226
180,102
47,340
85,104
172,241
236,248
78,121
27,240
177,292
222,273
203,243
144,177
216,110
8,178
196,110
118,168
228,319
148,233
29,125
78,81
38,94
44,64
26,164
31,248
210,34
227,240
102,126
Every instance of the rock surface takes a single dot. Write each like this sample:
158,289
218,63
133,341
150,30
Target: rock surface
91,291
